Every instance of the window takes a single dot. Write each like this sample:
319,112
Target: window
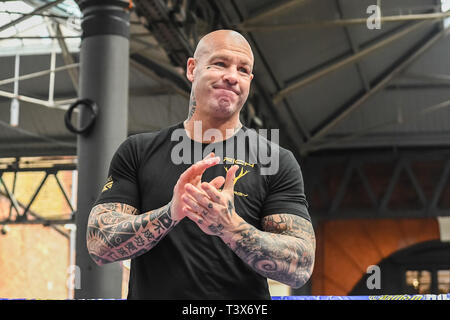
427,282
443,277
418,282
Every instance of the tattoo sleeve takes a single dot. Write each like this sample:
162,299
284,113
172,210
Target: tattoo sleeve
117,231
284,251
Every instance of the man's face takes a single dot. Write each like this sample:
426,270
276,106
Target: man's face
221,77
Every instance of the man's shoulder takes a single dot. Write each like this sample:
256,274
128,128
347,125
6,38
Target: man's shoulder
151,136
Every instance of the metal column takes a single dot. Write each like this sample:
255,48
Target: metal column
104,79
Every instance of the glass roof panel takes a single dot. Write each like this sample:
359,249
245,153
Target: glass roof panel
32,36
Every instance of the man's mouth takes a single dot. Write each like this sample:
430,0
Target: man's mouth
226,88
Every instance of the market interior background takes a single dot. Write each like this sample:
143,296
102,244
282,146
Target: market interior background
359,89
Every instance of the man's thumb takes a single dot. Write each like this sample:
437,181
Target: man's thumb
229,181
217,182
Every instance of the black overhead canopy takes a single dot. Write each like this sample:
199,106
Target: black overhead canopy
322,76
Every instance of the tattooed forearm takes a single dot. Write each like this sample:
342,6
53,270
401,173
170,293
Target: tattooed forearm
117,231
283,252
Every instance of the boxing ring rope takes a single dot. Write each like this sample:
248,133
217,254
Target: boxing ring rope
399,297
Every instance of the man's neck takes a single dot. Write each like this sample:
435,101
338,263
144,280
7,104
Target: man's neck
219,129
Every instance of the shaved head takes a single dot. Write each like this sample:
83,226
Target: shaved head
221,73
216,39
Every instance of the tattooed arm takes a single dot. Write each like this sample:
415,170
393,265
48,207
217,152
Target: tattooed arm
283,250
117,231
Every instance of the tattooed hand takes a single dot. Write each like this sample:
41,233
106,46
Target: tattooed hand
284,251
192,176
211,210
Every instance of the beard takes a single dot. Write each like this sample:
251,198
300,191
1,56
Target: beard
219,104
223,109
224,104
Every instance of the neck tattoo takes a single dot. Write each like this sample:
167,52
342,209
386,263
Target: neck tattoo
192,105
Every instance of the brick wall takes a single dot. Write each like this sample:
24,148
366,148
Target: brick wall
34,259
345,248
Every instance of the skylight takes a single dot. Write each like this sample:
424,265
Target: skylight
33,35
445,6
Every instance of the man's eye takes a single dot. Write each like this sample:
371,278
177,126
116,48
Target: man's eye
244,70
219,63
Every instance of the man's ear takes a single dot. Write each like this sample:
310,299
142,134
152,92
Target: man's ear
191,63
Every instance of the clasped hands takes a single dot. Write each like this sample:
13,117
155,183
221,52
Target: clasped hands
202,202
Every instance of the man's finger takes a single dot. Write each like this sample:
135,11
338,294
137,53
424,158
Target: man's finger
211,155
192,215
196,180
199,198
217,182
193,204
212,192
198,168
229,181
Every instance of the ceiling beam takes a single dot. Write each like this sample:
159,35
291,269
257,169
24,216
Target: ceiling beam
29,15
60,104
398,67
354,47
347,61
405,119
273,10
419,86
37,74
440,78
66,55
341,22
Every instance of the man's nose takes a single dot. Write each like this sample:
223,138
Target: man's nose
230,76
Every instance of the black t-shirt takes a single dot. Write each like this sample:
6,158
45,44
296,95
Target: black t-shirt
187,263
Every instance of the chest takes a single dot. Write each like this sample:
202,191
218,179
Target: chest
158,176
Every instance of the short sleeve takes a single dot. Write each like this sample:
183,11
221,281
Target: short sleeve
286,190
122,183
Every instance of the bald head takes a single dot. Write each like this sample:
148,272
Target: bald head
219,39
221,74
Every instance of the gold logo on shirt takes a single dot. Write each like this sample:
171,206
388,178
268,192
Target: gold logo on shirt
108,184
241,174
235,161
